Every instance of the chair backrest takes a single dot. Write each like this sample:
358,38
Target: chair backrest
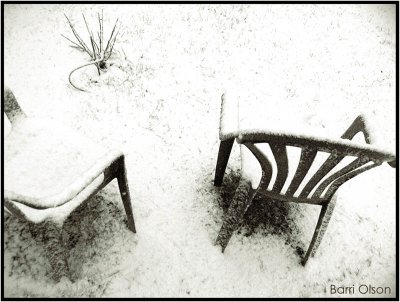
320,184
11,107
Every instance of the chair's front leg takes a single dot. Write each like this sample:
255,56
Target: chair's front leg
241,201
125,194
54,248
322,224
225,148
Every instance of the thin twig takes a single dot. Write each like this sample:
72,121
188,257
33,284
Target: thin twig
77,47
111,49
87,26
94,51
77,36
76,44
112,33
101,24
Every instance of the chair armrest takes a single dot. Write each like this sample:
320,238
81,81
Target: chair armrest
392,163
358,125
11,106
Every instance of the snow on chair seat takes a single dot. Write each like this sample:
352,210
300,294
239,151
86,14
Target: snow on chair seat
44,158
49,170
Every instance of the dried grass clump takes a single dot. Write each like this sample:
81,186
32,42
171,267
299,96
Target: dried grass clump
98,51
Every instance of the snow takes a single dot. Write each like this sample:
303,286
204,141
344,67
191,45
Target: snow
317,73
161,107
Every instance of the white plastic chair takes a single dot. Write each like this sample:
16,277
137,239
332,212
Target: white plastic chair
321,186
49,170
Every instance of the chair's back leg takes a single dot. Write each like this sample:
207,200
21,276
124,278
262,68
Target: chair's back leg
223,156
125,194
322,224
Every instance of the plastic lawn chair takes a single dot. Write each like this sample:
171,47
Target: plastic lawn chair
49,170
318,189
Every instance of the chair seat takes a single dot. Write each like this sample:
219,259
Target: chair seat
43,158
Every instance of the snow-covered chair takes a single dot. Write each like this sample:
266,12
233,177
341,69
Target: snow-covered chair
49,170
267,140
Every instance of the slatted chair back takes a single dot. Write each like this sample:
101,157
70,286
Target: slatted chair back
321,184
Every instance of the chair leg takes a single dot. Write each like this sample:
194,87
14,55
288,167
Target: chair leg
322,224
241,201
225,148
125,194
54,248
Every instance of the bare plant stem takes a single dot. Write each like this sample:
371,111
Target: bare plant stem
79,67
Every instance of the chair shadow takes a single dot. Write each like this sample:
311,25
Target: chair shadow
90,219
87,232
265,215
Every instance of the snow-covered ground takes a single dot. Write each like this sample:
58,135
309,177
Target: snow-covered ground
160,103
